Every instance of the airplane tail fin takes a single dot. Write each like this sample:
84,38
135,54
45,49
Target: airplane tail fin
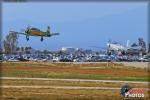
49,33
128,43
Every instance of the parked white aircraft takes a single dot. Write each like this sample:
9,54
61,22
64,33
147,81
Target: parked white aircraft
117,46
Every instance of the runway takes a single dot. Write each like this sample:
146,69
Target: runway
73,80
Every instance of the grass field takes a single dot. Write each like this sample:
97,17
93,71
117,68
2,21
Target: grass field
74,71
90,71
60,94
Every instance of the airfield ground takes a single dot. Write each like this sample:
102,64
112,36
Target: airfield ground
70,81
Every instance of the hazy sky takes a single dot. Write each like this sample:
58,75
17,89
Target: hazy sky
80,24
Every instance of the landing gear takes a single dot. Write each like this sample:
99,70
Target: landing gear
27,37
42,39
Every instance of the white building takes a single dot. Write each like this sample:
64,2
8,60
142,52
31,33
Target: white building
69,49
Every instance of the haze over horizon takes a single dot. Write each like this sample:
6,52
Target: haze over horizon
80,24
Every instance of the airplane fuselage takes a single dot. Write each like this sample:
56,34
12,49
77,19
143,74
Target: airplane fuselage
116,46
38,33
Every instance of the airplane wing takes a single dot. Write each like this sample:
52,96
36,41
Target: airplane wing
22,33
18,33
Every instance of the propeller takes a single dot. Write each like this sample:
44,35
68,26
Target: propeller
27,29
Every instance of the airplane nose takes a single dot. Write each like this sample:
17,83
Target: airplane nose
27,31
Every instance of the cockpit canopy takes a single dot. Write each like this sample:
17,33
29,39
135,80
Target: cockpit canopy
35,29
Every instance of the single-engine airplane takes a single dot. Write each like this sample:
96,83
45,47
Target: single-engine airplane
32,31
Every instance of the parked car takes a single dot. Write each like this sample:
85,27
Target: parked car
13,60
144,59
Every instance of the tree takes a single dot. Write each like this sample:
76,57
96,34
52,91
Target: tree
18,49
142,44
22,50
30,48
61,52
10,43
149,48
45,51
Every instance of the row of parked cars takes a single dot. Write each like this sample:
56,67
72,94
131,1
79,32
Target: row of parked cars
23,58
73,58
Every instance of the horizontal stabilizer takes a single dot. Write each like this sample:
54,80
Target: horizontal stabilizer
55,33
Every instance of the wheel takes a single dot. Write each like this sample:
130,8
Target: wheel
27,37
42,39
